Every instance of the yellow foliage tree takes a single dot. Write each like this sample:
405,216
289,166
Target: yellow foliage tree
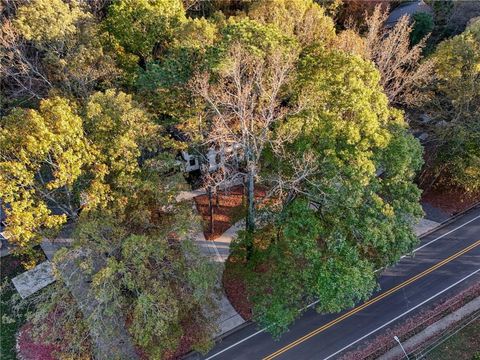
302,18
54,163
47,20
119,131
42,154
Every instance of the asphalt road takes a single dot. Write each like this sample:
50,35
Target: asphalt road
445,262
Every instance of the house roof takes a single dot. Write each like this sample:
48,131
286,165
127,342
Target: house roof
408,9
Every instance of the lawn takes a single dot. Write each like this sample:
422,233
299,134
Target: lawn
465,345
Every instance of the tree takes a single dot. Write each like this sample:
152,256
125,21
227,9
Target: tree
249,67
143,27
52,160
165,81
157,278
354,13
351,139
303,19
423,25
456,106
296,270
23,75
43,153
67,56
400,64
351,42
45,20
344,178
144,271
120,131
107,155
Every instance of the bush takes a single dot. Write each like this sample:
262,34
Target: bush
422,27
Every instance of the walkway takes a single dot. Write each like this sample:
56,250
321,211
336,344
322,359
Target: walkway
217,251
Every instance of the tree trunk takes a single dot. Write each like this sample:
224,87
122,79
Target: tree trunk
142,62
210,209
250,223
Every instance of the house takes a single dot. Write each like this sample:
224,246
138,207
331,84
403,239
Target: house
407,9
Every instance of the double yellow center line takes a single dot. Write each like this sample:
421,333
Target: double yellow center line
371,301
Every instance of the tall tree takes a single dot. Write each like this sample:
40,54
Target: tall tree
53,46
144,27
423,26
400,63
55,160
119,131
249,68
164,83
456,107
355,138
44,20
43,153
141,269
133,235
348,204
303,19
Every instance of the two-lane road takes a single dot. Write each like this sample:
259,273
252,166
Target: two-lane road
445,262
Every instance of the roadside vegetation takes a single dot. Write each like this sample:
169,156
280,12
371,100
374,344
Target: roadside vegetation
320,103
10,325
11,319
462,346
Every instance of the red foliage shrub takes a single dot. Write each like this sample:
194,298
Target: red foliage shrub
30,349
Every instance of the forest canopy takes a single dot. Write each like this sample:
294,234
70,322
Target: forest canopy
101,100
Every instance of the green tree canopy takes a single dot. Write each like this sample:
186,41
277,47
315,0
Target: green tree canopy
423,25
48,20
59,48
144,27
348,127
156,277
145,271
304,19
60,159
345,181
165,81
456,105
119,130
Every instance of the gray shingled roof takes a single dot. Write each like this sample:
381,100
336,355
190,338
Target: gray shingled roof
408,9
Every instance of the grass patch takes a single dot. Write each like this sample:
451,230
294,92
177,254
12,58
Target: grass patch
465,345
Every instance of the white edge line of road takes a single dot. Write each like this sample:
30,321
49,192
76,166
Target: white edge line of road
447,233
403,314
315,302
254,334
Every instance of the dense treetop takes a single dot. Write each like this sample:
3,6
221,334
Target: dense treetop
99,97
